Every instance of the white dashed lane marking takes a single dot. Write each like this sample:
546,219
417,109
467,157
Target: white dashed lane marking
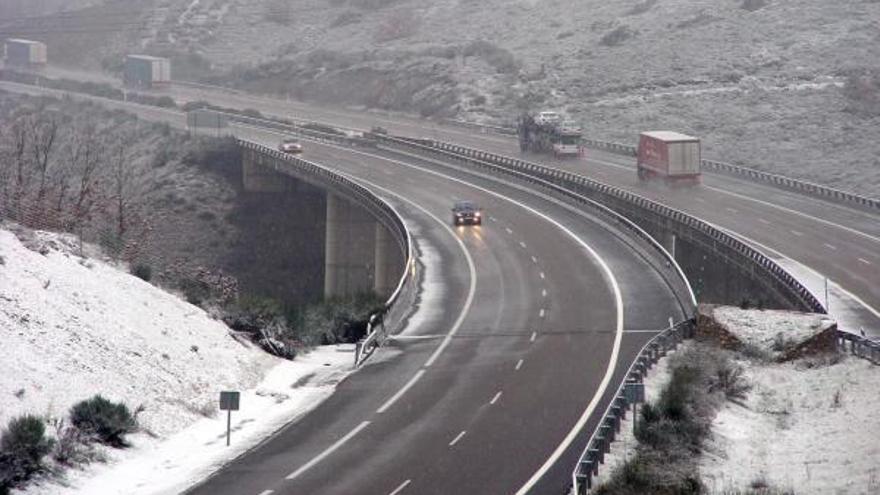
495,399
457,438
401,487
519,365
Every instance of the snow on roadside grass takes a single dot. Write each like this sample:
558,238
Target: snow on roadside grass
173,464
74,327
812,430
624,446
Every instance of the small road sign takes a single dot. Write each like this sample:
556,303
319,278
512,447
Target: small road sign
229,402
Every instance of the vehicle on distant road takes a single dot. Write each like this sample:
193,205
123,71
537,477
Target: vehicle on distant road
290,146
466,212
548,132
669,155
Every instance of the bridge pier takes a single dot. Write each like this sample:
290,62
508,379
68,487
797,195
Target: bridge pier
360,255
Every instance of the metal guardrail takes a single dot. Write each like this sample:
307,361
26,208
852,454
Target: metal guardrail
802,186
858,346
600,441
397,306
609,426
608,194
621,221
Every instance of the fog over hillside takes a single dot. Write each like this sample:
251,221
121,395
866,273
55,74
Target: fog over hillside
784,86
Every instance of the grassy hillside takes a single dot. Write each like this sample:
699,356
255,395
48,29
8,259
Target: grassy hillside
765,82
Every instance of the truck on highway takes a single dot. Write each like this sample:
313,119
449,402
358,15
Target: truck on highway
548,132
668,155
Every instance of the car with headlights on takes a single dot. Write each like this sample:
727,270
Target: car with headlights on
466,213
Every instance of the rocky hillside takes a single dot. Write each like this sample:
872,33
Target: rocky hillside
767,83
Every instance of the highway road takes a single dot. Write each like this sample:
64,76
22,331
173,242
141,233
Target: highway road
521,371
816,240
526,324
813,238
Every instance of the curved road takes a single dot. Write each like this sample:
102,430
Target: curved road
493,387
532,348
813,238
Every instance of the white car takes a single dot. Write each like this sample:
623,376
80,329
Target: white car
290,146
544,118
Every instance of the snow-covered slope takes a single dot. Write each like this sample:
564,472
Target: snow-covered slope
74,327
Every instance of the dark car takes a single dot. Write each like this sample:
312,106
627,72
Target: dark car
466,212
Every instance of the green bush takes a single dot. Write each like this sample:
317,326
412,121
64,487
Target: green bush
22,447
107,421
142,271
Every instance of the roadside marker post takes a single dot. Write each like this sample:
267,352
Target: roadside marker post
229,402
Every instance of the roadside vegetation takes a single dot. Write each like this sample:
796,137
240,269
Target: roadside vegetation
168,205
32,445
671,431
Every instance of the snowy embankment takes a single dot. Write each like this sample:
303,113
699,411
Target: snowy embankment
807,426
76,326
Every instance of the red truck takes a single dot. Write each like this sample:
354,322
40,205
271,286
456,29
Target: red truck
669,155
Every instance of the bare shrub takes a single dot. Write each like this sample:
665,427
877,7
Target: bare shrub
753,5
862,89
617,36
641,7
401,24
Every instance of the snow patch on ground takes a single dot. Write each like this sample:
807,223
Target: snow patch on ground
173,464
74,327
764,328
814,431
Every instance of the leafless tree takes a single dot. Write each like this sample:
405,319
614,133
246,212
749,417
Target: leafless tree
44,135
86,162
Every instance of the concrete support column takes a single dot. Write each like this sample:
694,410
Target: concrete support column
388,262
349,249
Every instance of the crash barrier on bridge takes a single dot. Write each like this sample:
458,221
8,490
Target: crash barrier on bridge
671,272
825,192
609,426
290,127
397,307
742,270
858,346
802,186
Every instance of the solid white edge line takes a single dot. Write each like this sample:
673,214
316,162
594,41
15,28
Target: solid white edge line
457,438
765,203
472,269
390,402
815,272
609,275
618,301
401,487
329,450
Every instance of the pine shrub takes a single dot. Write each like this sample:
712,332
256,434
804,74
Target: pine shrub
107,421
22,447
